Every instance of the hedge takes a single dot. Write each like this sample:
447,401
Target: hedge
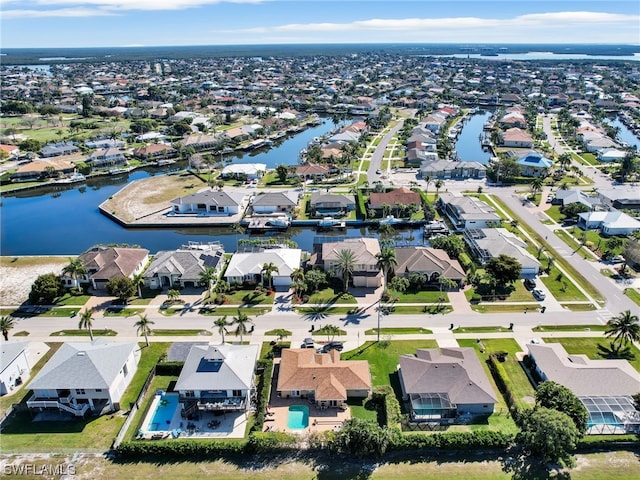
453,440
501,378
263,442
263,398
179,449
362,209
169,368
384,396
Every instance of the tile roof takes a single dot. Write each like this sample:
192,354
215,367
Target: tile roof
112,262
425,259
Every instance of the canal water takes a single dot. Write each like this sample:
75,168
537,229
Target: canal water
66,220
624,134
468,146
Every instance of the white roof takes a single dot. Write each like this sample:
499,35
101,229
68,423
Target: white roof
246,168
286,259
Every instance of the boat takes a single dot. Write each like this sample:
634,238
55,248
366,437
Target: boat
119,171
328,223
167,161
267,224
390,220
75,178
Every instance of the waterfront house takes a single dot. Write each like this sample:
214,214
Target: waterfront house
433,263
246,267
366,272
106,157
399,196
249,171
516,137
513,119
85,377
414,157
217,378
14,365
605,387
275,202
311,171
104,143
609,223
534,164
488,243
200,142
611,155
155,151
442,385
58,149
445,169
322,378
12,151
330,204
467,212
183,267
104,263
44,167
208,202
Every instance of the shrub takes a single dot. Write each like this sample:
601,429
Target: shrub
182,449
479,439
263,442
385,397
169,368
476,298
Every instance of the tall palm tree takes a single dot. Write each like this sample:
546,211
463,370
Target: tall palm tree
536,185
208,277
222,325
86,321
237,229
564,160
241,321
345,265
268,269
73,269
386,261
297,275
138,282
427,179
625,327
6,323
144,326
439,183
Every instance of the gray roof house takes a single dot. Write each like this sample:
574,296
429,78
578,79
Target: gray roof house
275,202
441,385
184,266
454,170
85,376
567,197
14,365
323,204
467,212
609,223
57,149
208,202
218,377
604,387
487,243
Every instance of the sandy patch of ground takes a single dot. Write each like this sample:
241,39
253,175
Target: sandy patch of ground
17,274
144,197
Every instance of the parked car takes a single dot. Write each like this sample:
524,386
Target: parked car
378,171
539,293
307,343
617,259
529,283
332,346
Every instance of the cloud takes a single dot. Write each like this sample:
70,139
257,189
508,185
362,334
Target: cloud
61,12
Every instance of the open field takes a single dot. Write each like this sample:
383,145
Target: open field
18,273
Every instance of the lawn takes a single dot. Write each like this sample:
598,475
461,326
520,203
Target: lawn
72,300
422,296
330,295
363,408
414,309
568,239
399,331
383,358
514,292
248,297
178,333
84,333
589,347
481,329
579,307
562,288
554,212
569,328
122,312
633,294
504,308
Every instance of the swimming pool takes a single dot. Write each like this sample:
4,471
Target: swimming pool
298,416
165,409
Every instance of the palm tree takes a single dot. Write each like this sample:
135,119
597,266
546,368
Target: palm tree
297,275
86,321
564,160
536,185
138,282
345,265
207,277
73,269
427,179
241,321
6,323
386,261
331,331
222,325
144,326
439,183
173,295
625,327
268,269
237,229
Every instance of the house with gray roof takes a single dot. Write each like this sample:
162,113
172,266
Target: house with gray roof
183,267
609,223
14,365
453,170
444,385
467,212
58,149
275,202
322,204
83,377
572,195
622,197
605,387
218,378
488,243
208,202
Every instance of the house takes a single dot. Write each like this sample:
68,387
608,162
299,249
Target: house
200,142
516,137
513,119
275,202
611,155
415,156
83,377
311,171
441,385
217,378
323,378
12,151
567,197
104,143
247,267
105,157
609,223
58,149
605,387
250,171
600,143
445,169
322,204
183,267
399,196
434,263
534,164
488,243
14,365
208,202
366,272
627,198
104,263
155,151
44,167
467,212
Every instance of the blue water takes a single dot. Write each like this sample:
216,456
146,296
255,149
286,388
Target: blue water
298,416
624,134
165,410
468,145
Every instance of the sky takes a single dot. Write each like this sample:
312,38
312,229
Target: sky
109,23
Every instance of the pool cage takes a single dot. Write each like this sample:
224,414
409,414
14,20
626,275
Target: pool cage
431,406
611,415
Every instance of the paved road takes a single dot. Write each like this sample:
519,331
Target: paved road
378,154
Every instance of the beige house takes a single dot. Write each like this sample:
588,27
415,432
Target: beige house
322,378
366,272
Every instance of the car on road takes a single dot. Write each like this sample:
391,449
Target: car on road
539,293
617,259
307,343
529,283
332,346
378,171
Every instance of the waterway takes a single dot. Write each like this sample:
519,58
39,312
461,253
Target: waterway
624,134
66,220
468,146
